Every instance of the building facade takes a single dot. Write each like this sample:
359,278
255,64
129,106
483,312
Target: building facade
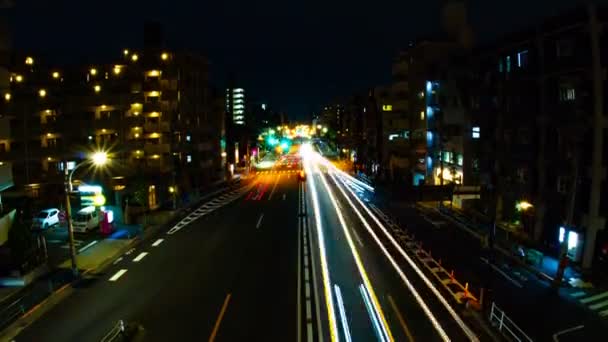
151,110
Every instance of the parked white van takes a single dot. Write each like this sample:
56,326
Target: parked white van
86,219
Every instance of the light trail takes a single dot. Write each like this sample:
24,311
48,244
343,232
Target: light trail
342,313
333,330
353,248
470,334
392,261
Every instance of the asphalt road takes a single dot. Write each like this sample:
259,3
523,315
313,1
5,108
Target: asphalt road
230,274
355,260
283,262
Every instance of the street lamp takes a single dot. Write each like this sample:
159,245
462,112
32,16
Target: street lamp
97,159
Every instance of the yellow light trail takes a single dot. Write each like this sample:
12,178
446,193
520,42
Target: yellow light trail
333,329
360,267
470,334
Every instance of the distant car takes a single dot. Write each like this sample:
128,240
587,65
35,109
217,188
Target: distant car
86,219
46,218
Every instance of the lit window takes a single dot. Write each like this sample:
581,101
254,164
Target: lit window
153,73
508,62
189,159
387,108
391,137
422,115
501,67
522,59
476,133
567,93
188,137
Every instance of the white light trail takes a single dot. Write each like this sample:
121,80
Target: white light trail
333,330
371,313
408,284
471,335
342,314
351,244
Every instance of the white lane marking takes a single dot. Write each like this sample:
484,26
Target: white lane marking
274,188
342,314
157,242
371,313
117,261
90,244
596,297
515,282
118,274
259,221
358,238
578,294
130,251
140,256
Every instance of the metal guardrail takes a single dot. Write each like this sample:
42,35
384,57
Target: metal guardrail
505,325
115,333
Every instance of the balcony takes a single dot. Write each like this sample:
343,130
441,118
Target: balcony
156,149
157,127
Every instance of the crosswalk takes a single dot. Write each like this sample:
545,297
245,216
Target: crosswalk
597,302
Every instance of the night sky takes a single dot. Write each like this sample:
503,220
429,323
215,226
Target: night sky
293,54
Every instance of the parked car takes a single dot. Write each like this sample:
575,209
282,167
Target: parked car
85,219
46,218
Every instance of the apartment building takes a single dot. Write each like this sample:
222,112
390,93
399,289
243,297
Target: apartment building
152,110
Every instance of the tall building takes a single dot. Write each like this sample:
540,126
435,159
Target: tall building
235,105
151,109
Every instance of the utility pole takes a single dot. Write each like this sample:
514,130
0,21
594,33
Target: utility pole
563,254
593,218
68,217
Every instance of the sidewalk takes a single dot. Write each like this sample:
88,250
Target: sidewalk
593,296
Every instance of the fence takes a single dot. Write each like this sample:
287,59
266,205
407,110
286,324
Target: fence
505,325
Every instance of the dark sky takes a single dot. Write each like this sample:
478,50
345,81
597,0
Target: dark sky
293,54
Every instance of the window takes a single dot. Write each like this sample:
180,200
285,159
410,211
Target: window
189,158
459,159
567,93
448,157
422,115
188,137
387,108
522,59
501,67
476,133
508,62
391,137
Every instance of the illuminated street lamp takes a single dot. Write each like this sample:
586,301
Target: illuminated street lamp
42,93
97,88
29,61
97,159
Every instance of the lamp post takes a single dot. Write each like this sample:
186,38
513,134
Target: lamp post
97,159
